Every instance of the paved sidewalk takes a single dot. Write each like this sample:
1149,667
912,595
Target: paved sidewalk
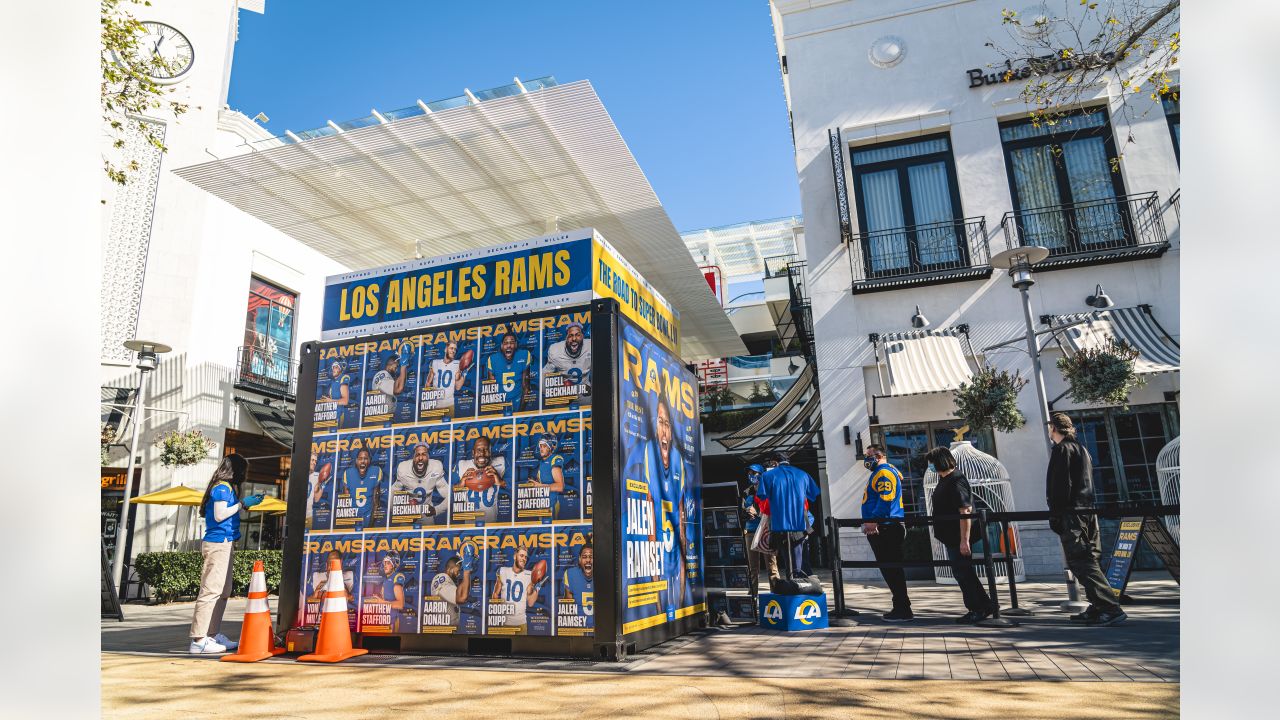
1046,646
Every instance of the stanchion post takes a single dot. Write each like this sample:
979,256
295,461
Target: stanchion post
837,571
1010,555
995,620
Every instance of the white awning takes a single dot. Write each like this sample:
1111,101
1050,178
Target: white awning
377,192
924,361
1157,352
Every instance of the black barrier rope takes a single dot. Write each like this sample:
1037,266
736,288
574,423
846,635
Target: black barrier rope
983,518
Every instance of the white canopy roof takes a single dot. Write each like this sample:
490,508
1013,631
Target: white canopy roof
924,361
481,174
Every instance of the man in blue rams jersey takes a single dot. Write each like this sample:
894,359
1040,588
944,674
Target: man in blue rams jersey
338,390
363,484
393,582
512,369
551,470
882,498
579,585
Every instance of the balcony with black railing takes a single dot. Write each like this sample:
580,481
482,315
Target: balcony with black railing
924,254
268,373
1126,227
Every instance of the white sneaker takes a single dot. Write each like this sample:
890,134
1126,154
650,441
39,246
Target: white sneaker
206,646
225,641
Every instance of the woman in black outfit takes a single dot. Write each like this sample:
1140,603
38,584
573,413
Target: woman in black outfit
953,497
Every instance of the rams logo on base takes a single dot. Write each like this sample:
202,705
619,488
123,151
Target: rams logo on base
807,611
773,612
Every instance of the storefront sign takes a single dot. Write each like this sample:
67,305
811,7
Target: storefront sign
1043,65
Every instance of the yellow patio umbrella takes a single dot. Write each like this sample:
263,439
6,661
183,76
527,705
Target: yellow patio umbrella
176,495
270,505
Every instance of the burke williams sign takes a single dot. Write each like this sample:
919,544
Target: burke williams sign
1043,65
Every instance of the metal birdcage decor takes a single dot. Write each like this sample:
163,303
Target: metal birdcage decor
992,489
1168,470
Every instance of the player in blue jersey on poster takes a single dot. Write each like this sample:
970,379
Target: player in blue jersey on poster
339,391
363,484
665,473
551,470
579,585
393,582
512,369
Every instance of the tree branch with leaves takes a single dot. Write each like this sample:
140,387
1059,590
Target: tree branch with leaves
129,90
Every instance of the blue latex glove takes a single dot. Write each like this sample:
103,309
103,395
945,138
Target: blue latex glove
406,354
468,557
251,500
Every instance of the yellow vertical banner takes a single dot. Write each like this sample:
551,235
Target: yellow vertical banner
613,277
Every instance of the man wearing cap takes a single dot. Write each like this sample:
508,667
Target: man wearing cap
753,507
788,490
1068,487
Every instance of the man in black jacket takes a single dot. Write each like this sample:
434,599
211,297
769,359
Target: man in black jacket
1069,486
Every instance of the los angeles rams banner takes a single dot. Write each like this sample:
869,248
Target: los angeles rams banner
537,274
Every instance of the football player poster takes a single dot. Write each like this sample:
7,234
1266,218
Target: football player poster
391,382
547,468
448,387
519,582
344,548
420,476
660,488
482,459
575,581
338,386
453,582
389,587
509,368
364,459
566,360
320,482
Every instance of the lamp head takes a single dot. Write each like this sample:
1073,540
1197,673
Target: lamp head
148,353
1099,299
918,320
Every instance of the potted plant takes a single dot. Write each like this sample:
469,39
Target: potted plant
990,400
182,448
1102,374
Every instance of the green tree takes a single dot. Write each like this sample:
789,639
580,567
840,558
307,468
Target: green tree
1132,45
129,92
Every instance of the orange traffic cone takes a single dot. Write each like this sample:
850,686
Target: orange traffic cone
333,642
256,641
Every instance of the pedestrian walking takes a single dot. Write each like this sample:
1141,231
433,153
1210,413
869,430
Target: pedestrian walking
882,498
755,510
1068,487
220,508
788,489
953,496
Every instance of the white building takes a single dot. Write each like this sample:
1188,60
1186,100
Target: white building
912,176
188,270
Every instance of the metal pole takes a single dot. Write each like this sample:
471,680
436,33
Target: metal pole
988,561
122,529
1042,404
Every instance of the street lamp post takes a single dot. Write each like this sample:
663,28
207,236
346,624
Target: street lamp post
1018,261
148,358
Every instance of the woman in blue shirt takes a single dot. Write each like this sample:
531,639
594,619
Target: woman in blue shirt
220,509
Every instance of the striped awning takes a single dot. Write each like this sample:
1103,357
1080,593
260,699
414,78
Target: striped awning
924,361
1157,352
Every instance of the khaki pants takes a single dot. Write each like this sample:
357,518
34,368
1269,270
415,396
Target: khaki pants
215,588
756,561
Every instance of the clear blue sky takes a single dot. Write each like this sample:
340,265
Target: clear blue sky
693,85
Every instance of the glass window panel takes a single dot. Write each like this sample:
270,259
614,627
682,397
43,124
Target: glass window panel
1037,187
1151,423
900,152
882,201
1126,426
1089,174
1069,124
931,203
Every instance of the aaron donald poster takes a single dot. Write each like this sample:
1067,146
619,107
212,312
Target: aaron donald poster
453,582
660,488
391,382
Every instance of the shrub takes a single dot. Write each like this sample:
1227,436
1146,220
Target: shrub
179,449
990,400
1103,374
171,575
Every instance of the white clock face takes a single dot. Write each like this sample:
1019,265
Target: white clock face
171,47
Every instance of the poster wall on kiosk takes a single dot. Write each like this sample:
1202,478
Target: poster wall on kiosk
449,463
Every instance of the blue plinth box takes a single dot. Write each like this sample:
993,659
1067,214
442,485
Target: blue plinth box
793,612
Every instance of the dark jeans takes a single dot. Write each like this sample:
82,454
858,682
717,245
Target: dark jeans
887,547
1079,536
975,597
791,545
